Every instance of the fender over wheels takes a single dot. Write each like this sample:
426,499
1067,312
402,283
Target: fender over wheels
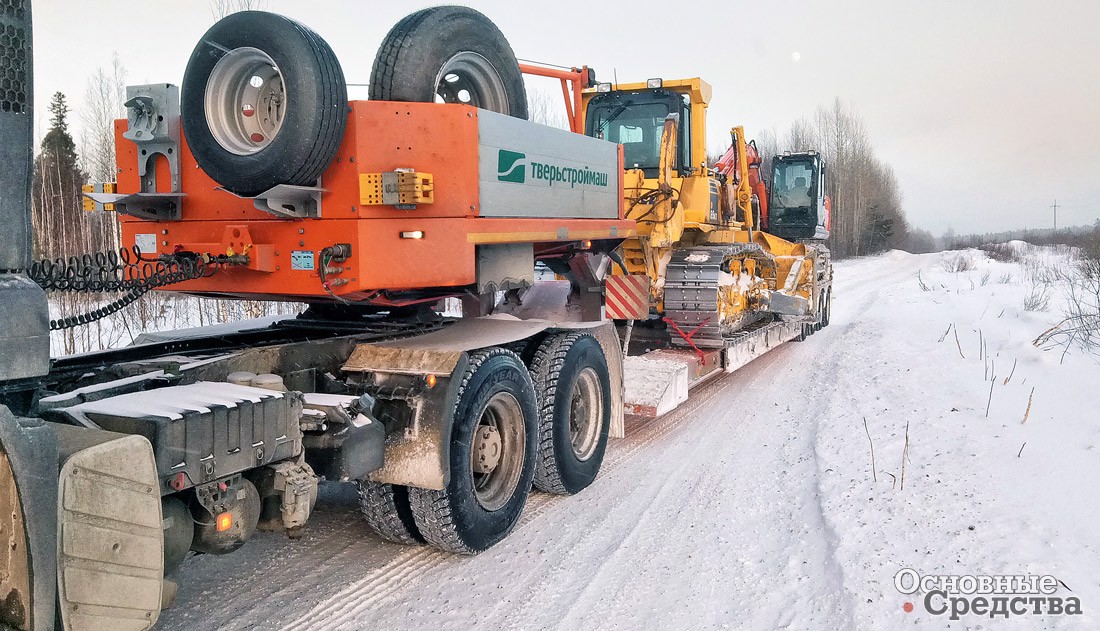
386,509
449,54
492,457
570,374
263,103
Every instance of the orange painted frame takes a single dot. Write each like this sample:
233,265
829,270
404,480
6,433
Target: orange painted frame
573,83
381,136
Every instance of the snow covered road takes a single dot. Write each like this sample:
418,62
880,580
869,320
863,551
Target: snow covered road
754,506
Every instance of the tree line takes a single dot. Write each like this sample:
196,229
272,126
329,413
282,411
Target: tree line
62,228
867,206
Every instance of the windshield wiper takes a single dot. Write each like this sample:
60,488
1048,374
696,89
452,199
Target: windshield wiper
615,113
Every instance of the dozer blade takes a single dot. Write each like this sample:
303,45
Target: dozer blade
785,304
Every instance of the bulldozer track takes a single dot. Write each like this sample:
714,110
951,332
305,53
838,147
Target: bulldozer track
691,291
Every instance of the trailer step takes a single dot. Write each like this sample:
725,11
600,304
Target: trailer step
654,386
659,381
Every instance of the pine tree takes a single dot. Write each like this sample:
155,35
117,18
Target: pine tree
57,208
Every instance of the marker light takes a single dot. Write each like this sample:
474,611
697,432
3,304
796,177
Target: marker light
430,381
224,522
603,87
413,234
655,84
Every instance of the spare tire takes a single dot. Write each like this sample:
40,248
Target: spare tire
264,103
449,55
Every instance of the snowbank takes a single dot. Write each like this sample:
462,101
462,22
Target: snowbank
1002,439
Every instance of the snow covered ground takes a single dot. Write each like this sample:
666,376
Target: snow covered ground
755,505
154,312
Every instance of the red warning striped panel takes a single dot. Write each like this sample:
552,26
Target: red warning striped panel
627,297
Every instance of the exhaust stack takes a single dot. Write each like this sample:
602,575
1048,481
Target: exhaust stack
24,337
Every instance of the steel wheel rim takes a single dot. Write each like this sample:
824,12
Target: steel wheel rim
495,488
245,101
471,79
585,414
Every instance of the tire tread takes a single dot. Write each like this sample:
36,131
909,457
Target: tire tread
386,509
392,66
432,509
545,372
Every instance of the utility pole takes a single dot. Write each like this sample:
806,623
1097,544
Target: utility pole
1055,207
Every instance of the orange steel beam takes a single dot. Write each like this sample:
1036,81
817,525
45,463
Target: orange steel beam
573,83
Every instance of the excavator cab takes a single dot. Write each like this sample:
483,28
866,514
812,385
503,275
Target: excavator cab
798,207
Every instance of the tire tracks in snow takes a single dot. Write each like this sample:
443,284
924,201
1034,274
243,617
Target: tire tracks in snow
382,582
866,296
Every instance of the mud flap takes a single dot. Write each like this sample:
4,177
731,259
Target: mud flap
110,556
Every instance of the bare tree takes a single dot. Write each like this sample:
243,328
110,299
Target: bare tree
867,214
545,109
103,103
802,136
222,8
55,201
767,145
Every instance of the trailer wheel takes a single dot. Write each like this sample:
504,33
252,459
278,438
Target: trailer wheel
820,324
263,103
386,509
801,333
492,455
449,55
571,379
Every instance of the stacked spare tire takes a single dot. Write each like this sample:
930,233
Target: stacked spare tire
264,100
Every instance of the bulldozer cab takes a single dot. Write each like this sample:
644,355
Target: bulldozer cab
633,115
635,120
798,206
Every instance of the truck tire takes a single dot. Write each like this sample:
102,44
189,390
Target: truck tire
386,509
574,390
263,103
801,334
485,496
827,316
179,532
820,324
449,54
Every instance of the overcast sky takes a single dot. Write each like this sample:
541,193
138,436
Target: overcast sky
986,109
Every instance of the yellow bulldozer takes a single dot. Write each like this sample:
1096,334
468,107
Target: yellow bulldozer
724,251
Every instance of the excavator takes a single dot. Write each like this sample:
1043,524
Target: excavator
722,250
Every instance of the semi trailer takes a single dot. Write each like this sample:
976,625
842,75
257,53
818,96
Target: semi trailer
257,178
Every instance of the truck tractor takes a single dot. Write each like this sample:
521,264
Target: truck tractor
257,178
